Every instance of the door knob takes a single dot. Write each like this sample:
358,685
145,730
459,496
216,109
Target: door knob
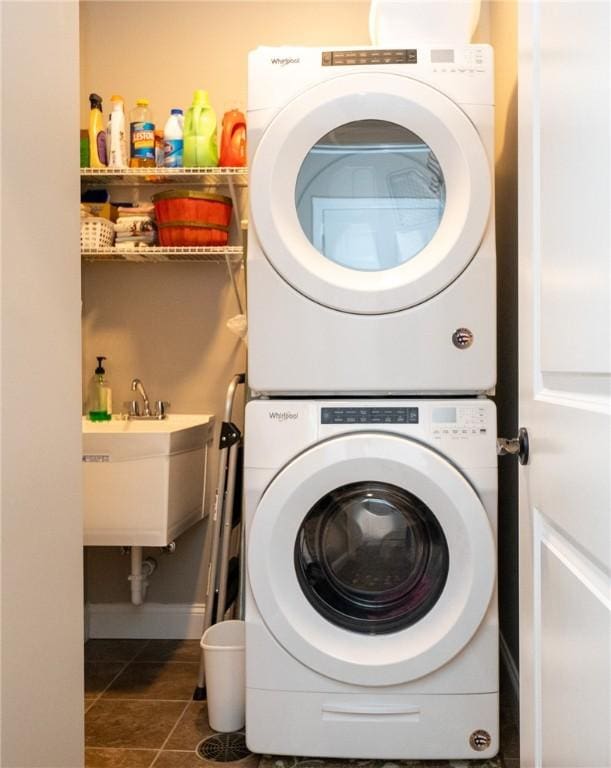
514,446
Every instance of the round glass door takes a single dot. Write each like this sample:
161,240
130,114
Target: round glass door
371,557
370,195
354,577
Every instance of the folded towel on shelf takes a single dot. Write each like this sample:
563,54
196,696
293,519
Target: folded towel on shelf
134,224
143,209
148,238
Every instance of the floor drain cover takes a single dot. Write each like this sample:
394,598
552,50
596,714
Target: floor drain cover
224,748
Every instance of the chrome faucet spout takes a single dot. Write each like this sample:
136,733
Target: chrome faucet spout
138,386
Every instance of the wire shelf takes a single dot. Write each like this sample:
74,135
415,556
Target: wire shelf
156,254
135,176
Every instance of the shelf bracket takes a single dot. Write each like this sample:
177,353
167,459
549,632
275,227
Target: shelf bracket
237,218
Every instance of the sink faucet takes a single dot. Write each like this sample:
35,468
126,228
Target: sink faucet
138,386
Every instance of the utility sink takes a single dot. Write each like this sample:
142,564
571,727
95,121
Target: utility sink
144,481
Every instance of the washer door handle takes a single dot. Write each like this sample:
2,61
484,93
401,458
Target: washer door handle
515,446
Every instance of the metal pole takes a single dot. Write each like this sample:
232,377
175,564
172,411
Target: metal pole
213,533
226,533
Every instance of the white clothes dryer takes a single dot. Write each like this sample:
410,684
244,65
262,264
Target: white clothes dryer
371,608
371,252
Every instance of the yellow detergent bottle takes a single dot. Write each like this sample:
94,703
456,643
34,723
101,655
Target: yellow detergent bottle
97,133
200,145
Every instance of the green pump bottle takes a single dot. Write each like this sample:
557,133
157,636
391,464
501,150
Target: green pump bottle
100,404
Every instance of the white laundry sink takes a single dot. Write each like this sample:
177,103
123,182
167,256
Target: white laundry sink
144,481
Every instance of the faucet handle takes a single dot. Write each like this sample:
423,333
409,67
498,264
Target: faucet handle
133,408
160,408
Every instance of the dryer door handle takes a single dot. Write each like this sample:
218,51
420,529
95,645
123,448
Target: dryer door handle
341,711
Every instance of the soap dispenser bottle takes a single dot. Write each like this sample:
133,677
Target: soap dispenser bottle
100,406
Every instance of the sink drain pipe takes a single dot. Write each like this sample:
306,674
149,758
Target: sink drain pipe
141,570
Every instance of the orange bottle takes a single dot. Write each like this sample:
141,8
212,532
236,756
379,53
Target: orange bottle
233,140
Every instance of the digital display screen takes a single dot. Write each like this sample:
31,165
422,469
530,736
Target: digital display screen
444,415
442,56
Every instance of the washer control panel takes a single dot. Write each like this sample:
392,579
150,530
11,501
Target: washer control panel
458,422
365,415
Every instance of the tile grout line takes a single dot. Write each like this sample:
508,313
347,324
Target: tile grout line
94,700
146,701
125,749
163,661
169,736
144,647
103,691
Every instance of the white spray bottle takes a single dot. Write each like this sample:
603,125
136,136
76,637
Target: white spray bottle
116,133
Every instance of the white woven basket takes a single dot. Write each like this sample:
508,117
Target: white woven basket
96,233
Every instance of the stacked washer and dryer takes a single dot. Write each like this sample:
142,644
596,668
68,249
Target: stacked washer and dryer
370,457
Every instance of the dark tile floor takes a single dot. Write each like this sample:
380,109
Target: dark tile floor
139,712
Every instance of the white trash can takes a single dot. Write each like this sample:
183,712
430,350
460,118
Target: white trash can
223,646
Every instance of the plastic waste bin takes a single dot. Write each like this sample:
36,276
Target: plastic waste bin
223,646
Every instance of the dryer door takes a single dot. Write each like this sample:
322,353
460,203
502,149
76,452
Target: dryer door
371,559
370,193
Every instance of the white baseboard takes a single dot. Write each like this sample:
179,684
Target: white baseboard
512,671
176,621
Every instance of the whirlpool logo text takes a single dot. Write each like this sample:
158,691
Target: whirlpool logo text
285,61
283,415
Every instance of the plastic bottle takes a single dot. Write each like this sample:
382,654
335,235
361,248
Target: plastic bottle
100,400
141,136
173,141
233,140
200,142
159,148
116,135
97,134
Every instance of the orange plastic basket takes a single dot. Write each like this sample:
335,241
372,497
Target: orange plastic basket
191,233
192,218
189,205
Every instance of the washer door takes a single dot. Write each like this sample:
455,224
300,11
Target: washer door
370,193
371,559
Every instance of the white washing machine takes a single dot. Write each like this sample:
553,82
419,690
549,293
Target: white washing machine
371,609
371,251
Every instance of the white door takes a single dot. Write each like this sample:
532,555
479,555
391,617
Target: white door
565,382
365,570
370,192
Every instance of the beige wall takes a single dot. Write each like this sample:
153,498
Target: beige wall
165,50
41,634
165,323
